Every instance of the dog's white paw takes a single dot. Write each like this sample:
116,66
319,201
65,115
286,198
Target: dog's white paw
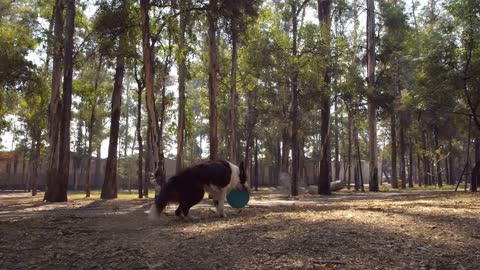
222,215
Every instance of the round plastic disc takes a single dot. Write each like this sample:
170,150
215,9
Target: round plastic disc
238,198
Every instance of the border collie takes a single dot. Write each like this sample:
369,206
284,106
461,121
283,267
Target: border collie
188,187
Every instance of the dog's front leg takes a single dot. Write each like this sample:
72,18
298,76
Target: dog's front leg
221,202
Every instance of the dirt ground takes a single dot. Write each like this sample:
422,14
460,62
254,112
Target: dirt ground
412,230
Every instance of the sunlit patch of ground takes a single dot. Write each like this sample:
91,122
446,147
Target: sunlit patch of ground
389,230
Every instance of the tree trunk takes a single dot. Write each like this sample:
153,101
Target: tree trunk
182,74
212,77
35,162
139,135
91,126
393,145
255,157
98,163
438,164
337,162
410,163
233,93
451,163
349,155
285,149
59,192
476,170
426,162
324,16
372,107
278,162
148,163
24,165
402,151
55,105
150,97
109,188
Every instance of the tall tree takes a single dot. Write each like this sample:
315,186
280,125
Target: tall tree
372,107
212,15
149,69
55,103
324,16
59,192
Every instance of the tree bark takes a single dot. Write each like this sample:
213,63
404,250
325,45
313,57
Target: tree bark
35,161
337,162
410,163
372,107
182,72
109,188
59,192
91,126
255,157
54,110
148,163
393,145
438,164
212,77
150,97
476,169
402,151
233,93
426,162
139,134
349,154
324,16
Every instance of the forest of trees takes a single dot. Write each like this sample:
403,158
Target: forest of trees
276,82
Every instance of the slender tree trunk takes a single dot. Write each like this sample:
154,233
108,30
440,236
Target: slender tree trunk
438,164
420,176
148,163
109,188
476,169
349,157
35,162
59,194
426,162
256,164
393,145
324,16
402,151
24,165
233,94
55,106
150,97
278,162
93,119
372,107
285,149
451,163
410,167
337,162
139,135
212,77
182,72
98,163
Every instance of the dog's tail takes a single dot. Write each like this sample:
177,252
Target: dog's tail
161,201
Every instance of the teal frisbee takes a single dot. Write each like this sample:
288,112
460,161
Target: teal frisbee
238,198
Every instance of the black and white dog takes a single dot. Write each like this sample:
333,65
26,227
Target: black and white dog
188,187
